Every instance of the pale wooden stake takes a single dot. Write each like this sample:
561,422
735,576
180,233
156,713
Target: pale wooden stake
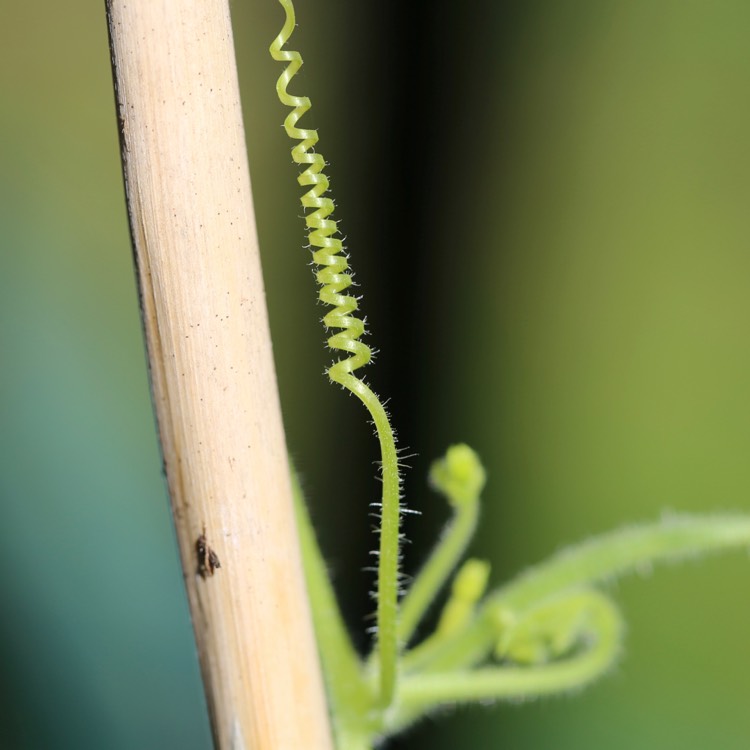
214,386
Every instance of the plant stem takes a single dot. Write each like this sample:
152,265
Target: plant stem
334,278
435,572
497,683
632,549
350,695
213,380
595,561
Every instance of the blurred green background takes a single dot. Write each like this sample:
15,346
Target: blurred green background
547,208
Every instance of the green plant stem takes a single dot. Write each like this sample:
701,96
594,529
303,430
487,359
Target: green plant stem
435,572
349,694
354,741
465,648
388,562
632,549
598,560
335,279
417,692
388,553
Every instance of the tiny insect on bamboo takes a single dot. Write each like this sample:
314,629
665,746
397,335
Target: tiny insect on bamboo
208,560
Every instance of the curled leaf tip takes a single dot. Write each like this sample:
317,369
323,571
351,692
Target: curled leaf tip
467,589
470,582
459,475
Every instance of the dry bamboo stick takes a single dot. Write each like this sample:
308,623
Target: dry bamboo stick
213,380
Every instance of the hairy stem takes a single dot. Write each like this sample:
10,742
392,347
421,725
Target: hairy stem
437,569
627,550
335,278
597,560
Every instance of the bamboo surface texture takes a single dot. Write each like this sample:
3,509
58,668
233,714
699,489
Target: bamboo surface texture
213,379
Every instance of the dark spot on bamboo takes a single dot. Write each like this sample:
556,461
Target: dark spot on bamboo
208,560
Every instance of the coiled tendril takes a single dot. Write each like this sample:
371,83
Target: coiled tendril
334,278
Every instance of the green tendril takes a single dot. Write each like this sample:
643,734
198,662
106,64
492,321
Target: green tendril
335,278
460,477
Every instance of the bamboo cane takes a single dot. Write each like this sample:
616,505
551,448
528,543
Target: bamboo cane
212,373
